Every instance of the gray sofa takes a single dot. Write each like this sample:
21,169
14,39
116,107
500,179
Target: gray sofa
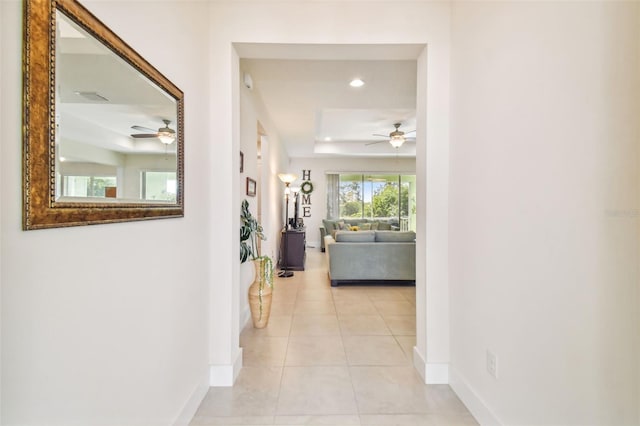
387,257
330,226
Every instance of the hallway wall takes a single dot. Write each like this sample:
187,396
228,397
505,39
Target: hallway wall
107,324
544,210
274,160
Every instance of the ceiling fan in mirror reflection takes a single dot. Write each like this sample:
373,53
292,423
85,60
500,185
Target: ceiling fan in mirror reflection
165,134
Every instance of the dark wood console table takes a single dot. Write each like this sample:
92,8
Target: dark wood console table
296,245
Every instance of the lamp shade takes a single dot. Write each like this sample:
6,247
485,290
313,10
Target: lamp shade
166,137
287,178
396,141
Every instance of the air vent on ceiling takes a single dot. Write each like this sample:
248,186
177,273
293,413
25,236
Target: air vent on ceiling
92,96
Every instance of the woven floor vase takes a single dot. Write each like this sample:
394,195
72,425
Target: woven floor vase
259,315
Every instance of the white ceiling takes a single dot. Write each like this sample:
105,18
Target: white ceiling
305,89
125,97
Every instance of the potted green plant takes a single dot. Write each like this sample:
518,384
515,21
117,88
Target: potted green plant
260,291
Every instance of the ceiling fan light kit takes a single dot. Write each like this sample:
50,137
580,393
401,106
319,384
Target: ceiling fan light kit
166,137
396,141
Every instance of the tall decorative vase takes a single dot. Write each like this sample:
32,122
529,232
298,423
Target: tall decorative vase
260,293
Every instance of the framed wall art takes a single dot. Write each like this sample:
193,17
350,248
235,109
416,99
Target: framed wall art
251,187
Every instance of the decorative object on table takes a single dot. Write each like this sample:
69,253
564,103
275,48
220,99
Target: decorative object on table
260,291
251,187
296,207
288,179
241,162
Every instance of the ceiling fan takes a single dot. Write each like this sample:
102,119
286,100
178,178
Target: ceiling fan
165,134
396,138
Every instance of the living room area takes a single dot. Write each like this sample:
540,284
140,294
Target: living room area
329,122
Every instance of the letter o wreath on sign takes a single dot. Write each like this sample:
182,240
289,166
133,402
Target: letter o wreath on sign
306,188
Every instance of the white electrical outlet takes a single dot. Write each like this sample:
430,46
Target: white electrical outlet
492,364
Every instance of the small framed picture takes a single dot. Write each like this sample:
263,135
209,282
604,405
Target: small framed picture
241,162
251,187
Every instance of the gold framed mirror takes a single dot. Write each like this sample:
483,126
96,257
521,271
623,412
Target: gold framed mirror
103,137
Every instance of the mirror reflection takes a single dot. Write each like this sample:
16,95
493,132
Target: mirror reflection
116,130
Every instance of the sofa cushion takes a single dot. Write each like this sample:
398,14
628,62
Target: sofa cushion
355,237
395,236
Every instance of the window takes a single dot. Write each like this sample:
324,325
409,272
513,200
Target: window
380,197
159,186
86,186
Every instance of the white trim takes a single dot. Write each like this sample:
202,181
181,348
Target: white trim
194,401
419,363
225,375
470,398
437,374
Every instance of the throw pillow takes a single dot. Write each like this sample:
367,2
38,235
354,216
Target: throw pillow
341,225
365,226
329,225
384,226
374,226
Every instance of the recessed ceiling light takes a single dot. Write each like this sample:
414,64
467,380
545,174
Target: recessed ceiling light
327,139
356,82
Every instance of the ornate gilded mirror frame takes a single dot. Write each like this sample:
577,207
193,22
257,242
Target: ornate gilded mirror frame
41,209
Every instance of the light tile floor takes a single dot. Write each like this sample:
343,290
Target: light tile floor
332,356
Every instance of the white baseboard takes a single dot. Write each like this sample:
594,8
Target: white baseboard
470,398
194,401
437,374
432,374
225,375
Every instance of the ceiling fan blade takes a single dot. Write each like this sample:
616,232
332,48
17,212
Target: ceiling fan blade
384,136
144,129
144,135
373,143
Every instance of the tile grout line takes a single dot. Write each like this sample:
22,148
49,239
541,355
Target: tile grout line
284,360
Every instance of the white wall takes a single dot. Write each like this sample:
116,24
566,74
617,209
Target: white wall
320,166
543,210
107,324
274,160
